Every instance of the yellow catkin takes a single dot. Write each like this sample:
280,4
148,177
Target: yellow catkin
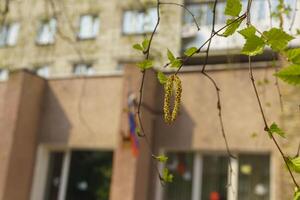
169,85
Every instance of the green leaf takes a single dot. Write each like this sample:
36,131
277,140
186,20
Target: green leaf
233,8
138,47
166,176
161,158
176,63
162,78
145,44
294,164
290,74
248,32
254,45
294,55
231,28
171,56
190,51
146,64
277,39
275,129
296,194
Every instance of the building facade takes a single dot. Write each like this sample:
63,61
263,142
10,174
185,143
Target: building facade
70,107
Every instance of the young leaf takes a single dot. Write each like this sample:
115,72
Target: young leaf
161,158
145,44
296,194
277,39
233,8
248,32
294,164
231,28
290,74
166,176
190,51
293,55
254,45
138,47
275,129
171,56
146,64
162,78
176,63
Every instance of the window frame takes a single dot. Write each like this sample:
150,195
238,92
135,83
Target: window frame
95,17
8,26
89,66
232,194
4,74
41,24
139,11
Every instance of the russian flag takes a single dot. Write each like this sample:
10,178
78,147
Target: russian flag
133,137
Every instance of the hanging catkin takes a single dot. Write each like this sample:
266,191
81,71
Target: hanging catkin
169,85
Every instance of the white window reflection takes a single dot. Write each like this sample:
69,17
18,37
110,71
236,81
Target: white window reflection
82,69
46,32
137,22
43,71
4,73
89,26
9,34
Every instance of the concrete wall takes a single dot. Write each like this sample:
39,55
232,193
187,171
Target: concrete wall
19,128
82,113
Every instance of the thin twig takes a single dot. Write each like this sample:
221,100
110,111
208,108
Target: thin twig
143,133
184,7
267,129
294,16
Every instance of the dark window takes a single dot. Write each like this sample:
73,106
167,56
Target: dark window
54,175
90,175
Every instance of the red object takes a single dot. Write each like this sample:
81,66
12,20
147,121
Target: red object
214,196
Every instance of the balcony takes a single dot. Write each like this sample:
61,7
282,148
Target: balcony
260,17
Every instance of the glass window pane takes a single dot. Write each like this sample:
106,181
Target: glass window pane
214,177
90,175
54,175
4,73
150,18
13,34
135,22
3,35
83,69
96,26
43,71
181,166
254,177
86,26
46,33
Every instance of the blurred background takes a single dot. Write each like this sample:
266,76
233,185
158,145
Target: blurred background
69,87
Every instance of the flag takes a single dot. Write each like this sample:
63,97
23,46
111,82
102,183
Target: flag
132,127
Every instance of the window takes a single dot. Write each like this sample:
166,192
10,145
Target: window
89,27
42,71
46,32
139,22
78,175
83,69
207,176
181,166
4,73
9,34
